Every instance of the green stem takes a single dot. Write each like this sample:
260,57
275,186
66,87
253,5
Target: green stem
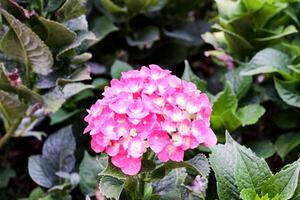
9,133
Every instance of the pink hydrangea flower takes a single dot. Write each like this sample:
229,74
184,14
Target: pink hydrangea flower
149,109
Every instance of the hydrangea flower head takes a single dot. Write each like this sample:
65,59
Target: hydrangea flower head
149,108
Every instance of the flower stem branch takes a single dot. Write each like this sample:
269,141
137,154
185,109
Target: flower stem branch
9,133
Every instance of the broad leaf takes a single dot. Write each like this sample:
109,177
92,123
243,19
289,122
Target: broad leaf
268,61
188,75
5,175
11,109
71,9
58,150
111,187
34,53
263,148
53,5
250,114
55,98
239,84
112,7
284,183
83,40
143,37
136,6
197,165
102,26
287,31
40,172
288,92
188,32
88,170
77,24
223,162
251,171
224,101
170,187
62,115
52,37
286,143
118,67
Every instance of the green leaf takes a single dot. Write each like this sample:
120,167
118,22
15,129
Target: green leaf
5,175
237,43
103,26
288,92
39,172
198,165
188,32
250,114
11,109
22,91
137,6
77,24
286,143
188,75
262,148
229,9
55,98
34,53
83,40
100,83
223,160
251,171
224,101
284,183
239,84
145,36
81,59
287,119
118,67
287,31
54,39
111,187
268,61
88,170
53,5
248,194
71,9
112,7
62,115
252,6
230,120
170,187
57,156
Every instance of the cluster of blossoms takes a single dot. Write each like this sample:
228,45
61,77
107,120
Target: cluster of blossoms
149,108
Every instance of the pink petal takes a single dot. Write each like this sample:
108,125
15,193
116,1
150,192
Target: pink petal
132,167
210,138
158,140
136,148
113,149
